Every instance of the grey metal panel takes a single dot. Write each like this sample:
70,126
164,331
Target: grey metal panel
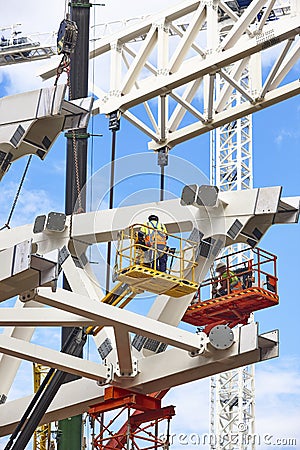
151,344
138,342
188,194
207,195
248,337
22,256
15,139
105,348
235,229
56,221
39,224
268,200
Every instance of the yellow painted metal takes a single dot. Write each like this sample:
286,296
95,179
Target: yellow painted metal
157,282
42,435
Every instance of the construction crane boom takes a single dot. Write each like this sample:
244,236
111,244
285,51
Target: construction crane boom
16,48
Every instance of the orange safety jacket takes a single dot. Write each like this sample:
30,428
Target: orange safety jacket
157,236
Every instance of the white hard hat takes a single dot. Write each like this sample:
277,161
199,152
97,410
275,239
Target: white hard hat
220,265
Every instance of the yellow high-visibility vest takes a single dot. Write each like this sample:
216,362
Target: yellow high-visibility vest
157,236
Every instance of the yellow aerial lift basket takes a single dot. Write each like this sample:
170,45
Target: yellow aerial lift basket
137,263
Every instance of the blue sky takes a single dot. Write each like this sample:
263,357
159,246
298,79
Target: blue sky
276,150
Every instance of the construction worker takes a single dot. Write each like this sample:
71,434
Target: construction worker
220,285
156,239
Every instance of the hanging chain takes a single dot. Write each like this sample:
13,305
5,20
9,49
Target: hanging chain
75,154
77,178
64,66
6,225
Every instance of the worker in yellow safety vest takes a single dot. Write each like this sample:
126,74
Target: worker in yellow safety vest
220,286
156,239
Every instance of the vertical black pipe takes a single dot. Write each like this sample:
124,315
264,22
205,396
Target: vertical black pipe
80,13
111,203
162,182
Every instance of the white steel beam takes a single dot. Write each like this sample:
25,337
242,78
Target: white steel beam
8,365
194,46
188,106
140,125
275,68
41,317
226,91
106,315
242,24
211,92
52,358
116,68
265,15
81,280
162,371
289,62
139,61
180,109
236,86
187,38
123,349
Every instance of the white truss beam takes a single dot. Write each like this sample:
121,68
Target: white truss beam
196,67
219,41
196,129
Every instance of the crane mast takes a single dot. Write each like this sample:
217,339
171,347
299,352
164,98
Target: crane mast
232,393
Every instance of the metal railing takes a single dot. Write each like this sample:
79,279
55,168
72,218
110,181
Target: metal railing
133,250
258,271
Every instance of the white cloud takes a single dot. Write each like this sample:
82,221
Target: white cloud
278,399
31,203
284,134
